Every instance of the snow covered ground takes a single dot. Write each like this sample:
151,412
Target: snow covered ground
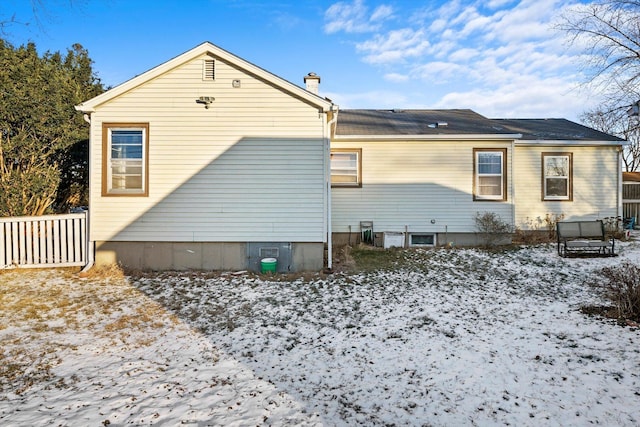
448,337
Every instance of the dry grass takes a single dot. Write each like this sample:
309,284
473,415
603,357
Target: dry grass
39,305
104,272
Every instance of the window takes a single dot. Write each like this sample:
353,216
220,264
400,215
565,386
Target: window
490,181
420,239
346,168
125,159
556,176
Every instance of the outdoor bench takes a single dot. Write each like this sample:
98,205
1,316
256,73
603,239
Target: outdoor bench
583,238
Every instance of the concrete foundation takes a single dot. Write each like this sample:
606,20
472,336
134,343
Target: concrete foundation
442,239
198,255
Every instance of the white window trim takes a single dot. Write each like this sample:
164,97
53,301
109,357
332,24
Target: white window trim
358,153
477,175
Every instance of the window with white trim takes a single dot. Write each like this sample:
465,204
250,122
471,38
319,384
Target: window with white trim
346,165
556,176
489,174
125,159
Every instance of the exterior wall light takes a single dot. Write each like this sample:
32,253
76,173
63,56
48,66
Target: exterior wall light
206,100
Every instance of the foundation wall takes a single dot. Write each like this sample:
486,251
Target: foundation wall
199,256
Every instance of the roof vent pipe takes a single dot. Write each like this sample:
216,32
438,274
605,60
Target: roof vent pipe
312,82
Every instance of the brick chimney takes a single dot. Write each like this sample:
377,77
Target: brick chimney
312,81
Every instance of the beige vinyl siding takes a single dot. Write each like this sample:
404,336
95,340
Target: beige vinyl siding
248,168
410,183
595,185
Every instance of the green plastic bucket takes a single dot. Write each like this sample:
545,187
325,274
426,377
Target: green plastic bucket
268,265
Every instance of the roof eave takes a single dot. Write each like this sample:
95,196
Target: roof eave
566,142
439,136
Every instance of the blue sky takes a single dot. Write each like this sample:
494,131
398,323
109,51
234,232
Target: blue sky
500,58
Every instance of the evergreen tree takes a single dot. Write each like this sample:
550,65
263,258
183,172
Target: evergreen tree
39,127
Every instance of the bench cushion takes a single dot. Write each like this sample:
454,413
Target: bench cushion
578,243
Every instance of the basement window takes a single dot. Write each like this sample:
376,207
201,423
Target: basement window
422,239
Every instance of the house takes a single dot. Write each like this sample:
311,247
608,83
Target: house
420,177
209,162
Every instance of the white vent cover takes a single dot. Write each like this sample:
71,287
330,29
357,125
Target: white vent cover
208,69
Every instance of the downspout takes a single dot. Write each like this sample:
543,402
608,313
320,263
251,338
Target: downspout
334,119
619,207
513,184
89,248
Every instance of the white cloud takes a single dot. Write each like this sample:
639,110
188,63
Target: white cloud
496,4
396,77
381,13
464,54
502,57
354,17
525,98
381,99
438,73
394,46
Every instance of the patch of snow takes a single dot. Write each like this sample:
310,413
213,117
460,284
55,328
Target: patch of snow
455,337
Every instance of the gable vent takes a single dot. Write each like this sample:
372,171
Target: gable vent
208,70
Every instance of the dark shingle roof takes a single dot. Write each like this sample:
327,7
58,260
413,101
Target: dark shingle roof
554,129
415,122
460,122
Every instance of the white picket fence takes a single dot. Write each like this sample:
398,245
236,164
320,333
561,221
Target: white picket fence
44,241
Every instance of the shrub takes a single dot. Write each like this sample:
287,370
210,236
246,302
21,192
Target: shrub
613,227
539,230
621,286
491,227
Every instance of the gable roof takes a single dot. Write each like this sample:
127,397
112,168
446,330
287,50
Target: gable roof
207,48
433,123
554,129
464,124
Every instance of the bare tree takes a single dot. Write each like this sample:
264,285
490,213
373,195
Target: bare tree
608,33
617,121
41,11
7,21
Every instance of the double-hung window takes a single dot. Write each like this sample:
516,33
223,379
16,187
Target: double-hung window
346,165
556,176
125,159
490,181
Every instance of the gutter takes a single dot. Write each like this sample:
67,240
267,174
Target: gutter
439,136
572,143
